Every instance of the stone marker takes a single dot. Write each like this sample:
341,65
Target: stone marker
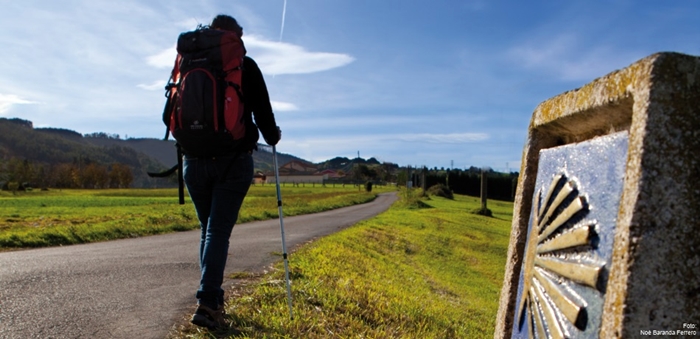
605,241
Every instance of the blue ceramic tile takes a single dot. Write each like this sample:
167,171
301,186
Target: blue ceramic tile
596,169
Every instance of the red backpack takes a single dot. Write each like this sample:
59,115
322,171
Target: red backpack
204,110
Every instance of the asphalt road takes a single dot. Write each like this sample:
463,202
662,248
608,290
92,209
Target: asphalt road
139,288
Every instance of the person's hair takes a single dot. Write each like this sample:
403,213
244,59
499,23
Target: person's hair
226,23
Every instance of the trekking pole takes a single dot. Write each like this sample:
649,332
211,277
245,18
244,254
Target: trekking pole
284,245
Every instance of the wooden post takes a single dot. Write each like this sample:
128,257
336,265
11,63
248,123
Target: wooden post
409,178
483,189
447,179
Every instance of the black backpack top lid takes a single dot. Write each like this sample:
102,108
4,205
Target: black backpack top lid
204,39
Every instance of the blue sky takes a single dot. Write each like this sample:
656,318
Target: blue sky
431,83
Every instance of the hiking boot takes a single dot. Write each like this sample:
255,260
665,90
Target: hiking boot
206,317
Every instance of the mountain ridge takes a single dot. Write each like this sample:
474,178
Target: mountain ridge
51,146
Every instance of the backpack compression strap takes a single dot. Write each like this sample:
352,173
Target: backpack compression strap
180,179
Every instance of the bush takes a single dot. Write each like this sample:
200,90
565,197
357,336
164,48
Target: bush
441,190
368,186
412,203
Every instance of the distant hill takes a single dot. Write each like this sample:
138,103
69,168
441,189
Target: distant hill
52,146
264,162
162,151
345,164
166,154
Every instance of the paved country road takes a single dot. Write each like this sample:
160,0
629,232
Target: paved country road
139,288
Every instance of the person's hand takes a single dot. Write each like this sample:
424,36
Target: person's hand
279,137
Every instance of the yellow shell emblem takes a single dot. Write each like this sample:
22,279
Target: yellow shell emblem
558,237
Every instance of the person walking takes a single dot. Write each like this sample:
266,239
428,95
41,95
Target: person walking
218,184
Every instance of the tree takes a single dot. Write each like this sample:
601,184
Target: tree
390,169
360,172
13,170
3,170
120,176
402,178
42,179
17,170
63,176
94,176
28,172
371,173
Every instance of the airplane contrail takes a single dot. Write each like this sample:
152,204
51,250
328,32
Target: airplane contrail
284,14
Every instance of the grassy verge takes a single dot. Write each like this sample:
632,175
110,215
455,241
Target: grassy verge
40,219
423,269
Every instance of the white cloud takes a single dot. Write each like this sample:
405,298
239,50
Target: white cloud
352,122
389,146
164,59
156,85
7,100
566,57
190,23
285,58
273,57
451,138
279,106
433,138
535,54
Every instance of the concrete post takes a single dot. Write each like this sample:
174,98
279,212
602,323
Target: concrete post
605,241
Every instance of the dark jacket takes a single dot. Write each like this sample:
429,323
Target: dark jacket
257,109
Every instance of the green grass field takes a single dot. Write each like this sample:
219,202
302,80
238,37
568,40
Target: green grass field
424,269
64,217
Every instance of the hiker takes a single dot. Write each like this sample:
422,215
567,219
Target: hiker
218,183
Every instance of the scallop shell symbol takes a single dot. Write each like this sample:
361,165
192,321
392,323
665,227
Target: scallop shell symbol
552,256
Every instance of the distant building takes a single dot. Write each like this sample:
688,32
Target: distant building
298,172
259,178
332,174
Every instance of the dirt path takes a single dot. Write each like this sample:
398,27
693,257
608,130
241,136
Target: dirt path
139,288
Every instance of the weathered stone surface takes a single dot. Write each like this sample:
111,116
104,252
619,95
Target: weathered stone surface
654,277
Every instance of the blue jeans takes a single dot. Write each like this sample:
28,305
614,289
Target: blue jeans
217,187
